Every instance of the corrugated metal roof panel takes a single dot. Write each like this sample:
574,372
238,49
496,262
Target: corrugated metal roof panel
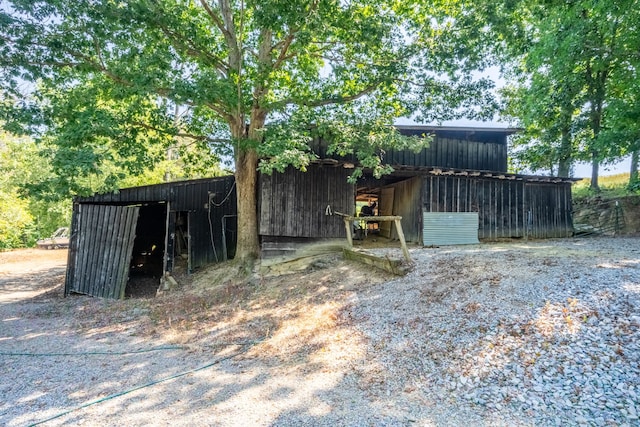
450,228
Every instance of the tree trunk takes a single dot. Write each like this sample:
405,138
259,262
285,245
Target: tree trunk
247,138
565,155
595,166
633,175
248,247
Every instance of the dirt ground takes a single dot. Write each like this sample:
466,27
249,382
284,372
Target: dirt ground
337,343
287,323
29,273
32,281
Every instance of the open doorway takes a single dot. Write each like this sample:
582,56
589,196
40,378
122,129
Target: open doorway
147,257
367,204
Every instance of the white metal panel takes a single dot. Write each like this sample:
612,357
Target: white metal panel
450,228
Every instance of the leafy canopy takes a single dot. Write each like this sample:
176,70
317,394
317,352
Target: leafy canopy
111,74
254,81
572,68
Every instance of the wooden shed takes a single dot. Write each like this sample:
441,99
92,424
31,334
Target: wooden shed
507,205
464,170
147,231
462,177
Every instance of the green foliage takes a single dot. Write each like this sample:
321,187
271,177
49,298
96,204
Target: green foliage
109,74
573,68
15,221
355,136
23,219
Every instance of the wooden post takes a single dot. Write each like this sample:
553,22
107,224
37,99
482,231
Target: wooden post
405,250
347,225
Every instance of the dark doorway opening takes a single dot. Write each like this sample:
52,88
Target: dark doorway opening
367,204
146,267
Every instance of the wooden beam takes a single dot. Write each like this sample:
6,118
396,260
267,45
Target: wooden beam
392,266
405,250
348,224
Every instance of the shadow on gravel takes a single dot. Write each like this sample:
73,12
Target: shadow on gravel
488,335
287,353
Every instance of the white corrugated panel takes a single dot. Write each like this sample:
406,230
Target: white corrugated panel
450,228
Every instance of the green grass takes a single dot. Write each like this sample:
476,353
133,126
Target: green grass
610,186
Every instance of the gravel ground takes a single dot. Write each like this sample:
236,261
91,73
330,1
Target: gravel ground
540,333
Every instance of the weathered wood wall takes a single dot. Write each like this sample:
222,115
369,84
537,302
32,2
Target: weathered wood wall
506,207
548,207
407,204
192,197
100,250
478,149
294,203
455,154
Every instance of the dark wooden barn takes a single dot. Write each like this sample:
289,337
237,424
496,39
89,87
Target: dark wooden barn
147,232
463,171
455,191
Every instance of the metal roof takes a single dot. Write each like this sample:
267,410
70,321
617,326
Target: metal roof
417,128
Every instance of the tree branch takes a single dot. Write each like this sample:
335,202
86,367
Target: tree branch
180,42
286,43
326,101
195,138
226,27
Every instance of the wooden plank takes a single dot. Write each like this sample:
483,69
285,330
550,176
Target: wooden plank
265,203
405,250
73,250
106,251
169,240
79,252
112,247
94,235
385,208
396,267
100,243
127,248
83,250
111,252
348,225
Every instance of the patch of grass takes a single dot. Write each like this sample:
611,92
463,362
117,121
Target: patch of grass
610,186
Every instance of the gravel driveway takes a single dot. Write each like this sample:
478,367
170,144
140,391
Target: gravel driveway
518,333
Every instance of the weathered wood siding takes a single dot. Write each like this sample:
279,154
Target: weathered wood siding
548,207
183,195
454,154
102,250
506,207
193,197
406,203
294,203
484,150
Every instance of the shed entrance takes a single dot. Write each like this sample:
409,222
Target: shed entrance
147,257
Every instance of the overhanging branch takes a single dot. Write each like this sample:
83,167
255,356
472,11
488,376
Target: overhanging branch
333,100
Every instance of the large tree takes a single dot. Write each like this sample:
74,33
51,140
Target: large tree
567,57
347,67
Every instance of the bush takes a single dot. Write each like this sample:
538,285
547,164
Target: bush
16,223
